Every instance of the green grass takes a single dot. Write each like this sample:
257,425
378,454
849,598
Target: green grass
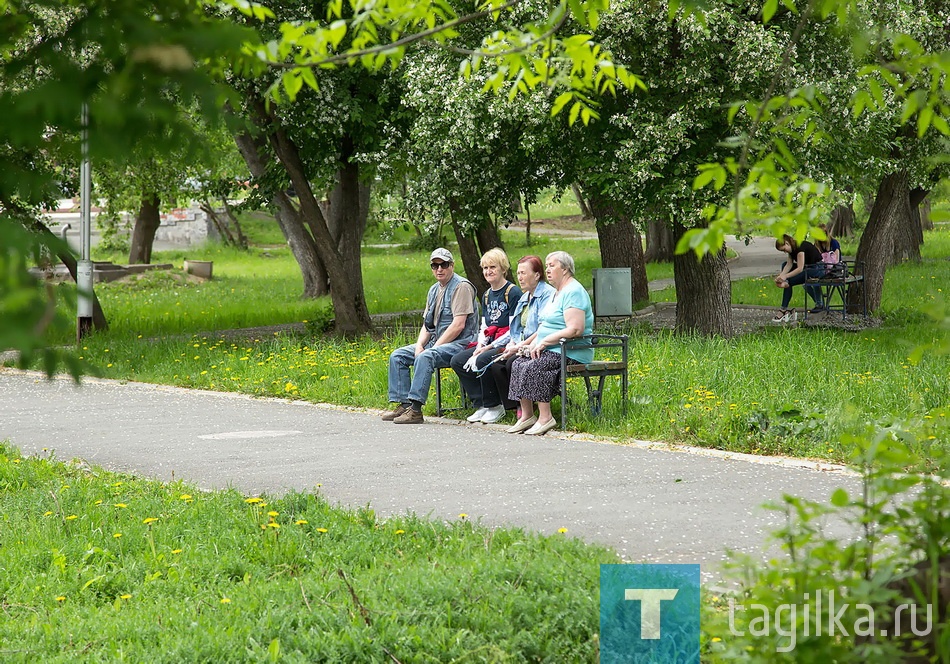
101,567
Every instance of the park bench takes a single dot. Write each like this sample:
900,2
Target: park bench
599,369
839,281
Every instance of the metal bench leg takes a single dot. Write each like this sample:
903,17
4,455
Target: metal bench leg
595,397
438,392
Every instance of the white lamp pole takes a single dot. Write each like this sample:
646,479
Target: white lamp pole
84,266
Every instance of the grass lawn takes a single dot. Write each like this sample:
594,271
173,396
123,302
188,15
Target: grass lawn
101,567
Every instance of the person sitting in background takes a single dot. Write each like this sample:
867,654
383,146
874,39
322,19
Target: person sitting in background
497,305
804,262
524,322
535,376
830,250
449,323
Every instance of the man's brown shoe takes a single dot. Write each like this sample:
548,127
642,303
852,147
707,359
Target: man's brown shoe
410,417
396,412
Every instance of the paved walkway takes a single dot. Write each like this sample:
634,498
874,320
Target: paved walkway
651,503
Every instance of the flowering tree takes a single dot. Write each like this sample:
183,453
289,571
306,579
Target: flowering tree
469,155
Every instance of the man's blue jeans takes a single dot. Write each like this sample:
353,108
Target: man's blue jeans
405,386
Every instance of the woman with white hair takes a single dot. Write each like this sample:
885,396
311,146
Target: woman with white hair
535,377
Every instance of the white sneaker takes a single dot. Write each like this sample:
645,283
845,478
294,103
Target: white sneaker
477,415
493,414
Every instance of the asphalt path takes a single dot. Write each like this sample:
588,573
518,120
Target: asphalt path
650,502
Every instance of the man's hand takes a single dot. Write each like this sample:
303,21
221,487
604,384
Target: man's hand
419,349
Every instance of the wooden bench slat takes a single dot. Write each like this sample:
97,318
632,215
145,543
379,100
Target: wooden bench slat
596,366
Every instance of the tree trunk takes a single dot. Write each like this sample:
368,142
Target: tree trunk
487,236
876,251
586,211
471,259
349,209
841,221
621,245
346,290
917,197
908,236
703,292
659,242
99,321
288,218
527,225
926,223
147,222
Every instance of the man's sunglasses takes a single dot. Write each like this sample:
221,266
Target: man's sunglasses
436,266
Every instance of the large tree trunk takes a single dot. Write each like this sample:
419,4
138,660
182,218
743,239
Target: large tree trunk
147,222
351,314
621,245
841,222
346,290
703,292
471,259
659,242
876,252
288,218
348,207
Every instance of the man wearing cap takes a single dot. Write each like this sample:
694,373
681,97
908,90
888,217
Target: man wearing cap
449,324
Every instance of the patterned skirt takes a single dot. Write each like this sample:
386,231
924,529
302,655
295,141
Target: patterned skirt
536,380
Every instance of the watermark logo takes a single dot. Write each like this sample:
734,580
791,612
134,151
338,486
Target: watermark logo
649,613
825,614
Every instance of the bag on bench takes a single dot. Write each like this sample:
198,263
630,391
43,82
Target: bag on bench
835,271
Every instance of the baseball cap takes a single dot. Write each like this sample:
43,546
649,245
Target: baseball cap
442,254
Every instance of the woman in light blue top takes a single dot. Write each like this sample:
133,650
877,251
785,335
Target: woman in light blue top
535,376
524,321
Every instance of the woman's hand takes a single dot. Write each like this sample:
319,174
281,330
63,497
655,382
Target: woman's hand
536,349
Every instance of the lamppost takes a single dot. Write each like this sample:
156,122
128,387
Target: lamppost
84,265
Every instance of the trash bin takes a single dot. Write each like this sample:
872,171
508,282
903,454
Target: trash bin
612,293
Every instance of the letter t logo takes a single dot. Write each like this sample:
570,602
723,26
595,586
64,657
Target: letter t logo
649,608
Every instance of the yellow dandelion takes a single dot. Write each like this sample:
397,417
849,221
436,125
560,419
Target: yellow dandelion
272,513
252,501
562,530
120,505
71,517
301,522
716,639
60,599
117,535
463,515
184,496
47,513
125,596
225,600
176,551
149,520
400,532
273,524
98,502
321,530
